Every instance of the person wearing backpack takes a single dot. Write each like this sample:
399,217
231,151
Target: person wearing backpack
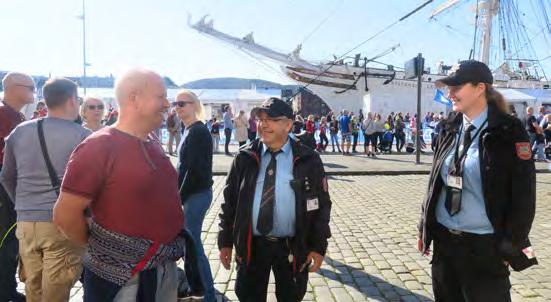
35,157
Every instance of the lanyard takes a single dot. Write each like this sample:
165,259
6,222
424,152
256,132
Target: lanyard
459,159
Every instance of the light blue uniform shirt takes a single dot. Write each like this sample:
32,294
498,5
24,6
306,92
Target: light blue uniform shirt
228,120
284,207
472,217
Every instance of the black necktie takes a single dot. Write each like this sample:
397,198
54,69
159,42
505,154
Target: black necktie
453,195
456,167
467,139
267,201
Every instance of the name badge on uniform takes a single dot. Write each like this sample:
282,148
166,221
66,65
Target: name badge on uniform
455,182
312,204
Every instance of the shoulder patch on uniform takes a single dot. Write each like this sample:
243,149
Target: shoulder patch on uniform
523,150
325,185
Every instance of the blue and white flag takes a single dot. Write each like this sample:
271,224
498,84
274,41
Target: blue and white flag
440,98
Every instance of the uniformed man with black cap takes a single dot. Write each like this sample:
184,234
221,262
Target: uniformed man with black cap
276,210
481,196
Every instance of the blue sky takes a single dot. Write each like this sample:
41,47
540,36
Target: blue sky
45,36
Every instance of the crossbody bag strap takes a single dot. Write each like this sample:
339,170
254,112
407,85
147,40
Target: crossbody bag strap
51,171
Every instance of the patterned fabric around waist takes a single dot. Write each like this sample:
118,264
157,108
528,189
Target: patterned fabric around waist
113,256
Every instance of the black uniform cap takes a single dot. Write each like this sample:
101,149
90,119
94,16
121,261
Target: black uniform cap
274,107
470,71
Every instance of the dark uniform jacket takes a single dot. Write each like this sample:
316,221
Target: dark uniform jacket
508,183
311,228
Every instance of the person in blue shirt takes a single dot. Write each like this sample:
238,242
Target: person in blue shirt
276,210
227,119
480,203
346,131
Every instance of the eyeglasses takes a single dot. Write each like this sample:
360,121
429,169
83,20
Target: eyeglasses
79,100
270,120
31,88
181,104
94,107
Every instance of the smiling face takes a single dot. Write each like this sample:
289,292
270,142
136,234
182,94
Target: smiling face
273,131
151,103
466,96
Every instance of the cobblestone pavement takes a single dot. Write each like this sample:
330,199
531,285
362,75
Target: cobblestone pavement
372,255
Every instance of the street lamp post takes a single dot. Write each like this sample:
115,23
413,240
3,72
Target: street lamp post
84,64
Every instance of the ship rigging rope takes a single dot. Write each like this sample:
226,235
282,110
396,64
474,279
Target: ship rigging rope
544,22
331,64
514,32
256,59
333,11
449,28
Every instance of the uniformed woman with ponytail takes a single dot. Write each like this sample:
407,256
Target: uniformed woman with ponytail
481,194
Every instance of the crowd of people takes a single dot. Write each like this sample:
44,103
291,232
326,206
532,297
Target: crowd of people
94,197
80,200
539,130
345,132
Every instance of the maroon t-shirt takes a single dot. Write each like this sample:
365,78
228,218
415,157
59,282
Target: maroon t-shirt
9,118
132,184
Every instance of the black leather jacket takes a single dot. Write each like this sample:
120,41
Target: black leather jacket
508,183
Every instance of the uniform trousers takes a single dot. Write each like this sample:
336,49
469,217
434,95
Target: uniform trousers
467,267
270,254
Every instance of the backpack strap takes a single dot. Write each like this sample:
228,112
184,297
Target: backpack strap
51,171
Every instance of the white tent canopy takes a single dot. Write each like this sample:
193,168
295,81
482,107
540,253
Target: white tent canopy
516,96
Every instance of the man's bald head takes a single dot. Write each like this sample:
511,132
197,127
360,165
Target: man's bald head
134,82
141,95
19,88
13,79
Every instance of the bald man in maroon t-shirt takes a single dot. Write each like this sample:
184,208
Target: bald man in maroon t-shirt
19,91
122,174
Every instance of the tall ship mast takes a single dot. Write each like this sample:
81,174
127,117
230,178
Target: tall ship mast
353,83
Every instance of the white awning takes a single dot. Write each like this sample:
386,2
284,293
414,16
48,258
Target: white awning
516,96
542,95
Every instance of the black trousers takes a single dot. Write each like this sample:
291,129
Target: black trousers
9,250
354,141
323,141
400,140
227,133
467,268
252,281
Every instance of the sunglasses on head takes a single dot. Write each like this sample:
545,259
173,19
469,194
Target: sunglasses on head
181,103
94,107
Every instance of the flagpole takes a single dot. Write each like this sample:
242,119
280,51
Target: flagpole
83,47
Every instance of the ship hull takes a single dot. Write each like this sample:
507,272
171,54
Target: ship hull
382,91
